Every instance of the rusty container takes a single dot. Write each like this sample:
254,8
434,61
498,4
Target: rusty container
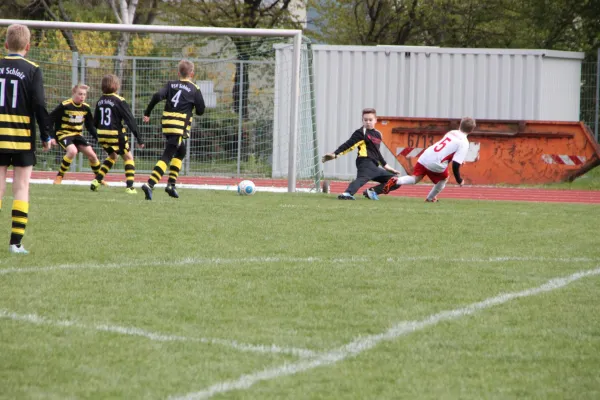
500,151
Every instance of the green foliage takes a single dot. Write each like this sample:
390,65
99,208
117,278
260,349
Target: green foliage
549,24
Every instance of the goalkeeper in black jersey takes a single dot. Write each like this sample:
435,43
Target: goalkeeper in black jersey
22,103
69,117
182,97
110,113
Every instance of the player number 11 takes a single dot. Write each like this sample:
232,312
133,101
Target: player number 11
15,84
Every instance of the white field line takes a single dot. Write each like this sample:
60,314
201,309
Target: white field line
368,342
179,185
155,336
270,260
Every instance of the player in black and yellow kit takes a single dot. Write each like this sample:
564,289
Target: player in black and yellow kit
69,118
21,104
182,97
368,160
111,111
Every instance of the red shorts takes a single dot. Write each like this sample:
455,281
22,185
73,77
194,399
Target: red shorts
435,177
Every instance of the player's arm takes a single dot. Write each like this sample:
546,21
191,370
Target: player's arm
345,147
39,107
97,117
457,160
125,111
56,117
199,103
89,124
393,170
156,98
456,172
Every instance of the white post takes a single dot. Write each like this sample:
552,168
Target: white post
294,113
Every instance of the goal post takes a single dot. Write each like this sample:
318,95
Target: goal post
245,84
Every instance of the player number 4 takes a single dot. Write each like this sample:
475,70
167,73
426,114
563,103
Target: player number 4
15,85
175,98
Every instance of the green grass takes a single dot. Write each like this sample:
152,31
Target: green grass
301,271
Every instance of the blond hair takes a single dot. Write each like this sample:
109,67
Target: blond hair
467,125
80,86
17,37
110,84
185,68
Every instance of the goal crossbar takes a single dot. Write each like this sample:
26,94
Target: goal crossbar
296,34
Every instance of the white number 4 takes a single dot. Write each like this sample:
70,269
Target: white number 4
15,84
175,98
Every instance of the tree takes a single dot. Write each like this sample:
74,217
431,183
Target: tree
549,24
266,14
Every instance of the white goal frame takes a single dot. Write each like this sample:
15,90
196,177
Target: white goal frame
296,34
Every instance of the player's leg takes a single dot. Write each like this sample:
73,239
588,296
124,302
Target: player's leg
22,167
366,170
65,164
161,166
89,152
174,168
107,164
3,172
419,171
383,178
129,172
439,180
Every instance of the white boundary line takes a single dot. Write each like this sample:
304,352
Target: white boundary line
273,189
368,342
269,260
158,337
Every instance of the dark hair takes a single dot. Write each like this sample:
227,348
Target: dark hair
369,111
110,84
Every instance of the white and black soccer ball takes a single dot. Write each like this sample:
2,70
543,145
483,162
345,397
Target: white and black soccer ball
246,188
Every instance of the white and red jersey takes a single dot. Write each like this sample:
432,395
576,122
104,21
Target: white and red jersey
453,147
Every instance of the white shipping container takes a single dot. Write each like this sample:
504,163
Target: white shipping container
408,81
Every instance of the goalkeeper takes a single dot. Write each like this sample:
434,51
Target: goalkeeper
182,97
367,139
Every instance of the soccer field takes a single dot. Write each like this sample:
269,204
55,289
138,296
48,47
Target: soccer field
298,296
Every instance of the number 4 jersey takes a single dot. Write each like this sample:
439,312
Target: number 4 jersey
453,147
21,103
181,98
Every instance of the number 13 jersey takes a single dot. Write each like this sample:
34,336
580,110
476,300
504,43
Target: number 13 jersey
453,147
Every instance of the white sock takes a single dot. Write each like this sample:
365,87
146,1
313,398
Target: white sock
406,180
437,188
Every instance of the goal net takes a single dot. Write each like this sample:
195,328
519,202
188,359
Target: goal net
259,121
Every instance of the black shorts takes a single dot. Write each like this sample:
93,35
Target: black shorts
174,140
25,159
121,148
76,140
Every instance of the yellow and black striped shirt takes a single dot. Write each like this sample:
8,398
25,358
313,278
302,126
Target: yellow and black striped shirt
111,112
367,141
21,104
183,96
69,119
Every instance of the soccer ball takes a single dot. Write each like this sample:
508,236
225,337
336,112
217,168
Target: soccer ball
246,188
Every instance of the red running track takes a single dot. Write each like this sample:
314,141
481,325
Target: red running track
450,192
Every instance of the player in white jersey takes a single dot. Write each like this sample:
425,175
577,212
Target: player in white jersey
434,161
